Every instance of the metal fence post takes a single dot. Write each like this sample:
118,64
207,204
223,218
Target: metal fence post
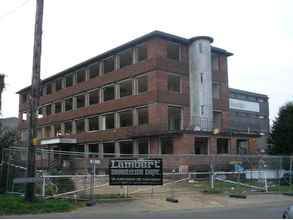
290,174
212,185
44,187
280,169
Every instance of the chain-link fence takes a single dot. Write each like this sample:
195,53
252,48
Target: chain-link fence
85,175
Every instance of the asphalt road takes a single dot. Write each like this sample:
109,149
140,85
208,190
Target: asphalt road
272,210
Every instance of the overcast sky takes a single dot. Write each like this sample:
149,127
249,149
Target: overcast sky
259,33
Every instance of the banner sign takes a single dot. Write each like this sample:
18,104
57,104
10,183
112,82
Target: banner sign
136,172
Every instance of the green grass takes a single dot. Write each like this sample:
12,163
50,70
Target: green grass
15,205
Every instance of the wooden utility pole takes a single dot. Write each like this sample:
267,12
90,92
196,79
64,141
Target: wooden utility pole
34,100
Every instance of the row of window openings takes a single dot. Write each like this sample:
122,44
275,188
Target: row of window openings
166,147
109,64
122,89
138,117
127,148
108,93
247,97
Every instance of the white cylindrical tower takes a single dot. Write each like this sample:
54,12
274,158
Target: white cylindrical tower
200,82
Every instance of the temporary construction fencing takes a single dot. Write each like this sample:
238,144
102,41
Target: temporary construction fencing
79,175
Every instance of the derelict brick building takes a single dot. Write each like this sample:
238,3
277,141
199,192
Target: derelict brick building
159,93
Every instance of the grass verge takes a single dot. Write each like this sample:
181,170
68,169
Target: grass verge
15,205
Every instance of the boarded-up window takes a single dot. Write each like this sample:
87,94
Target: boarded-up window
173,83
143,116
141,53
94,70
216,90
94,123
174,118
109,93
142,84
215,63
109,64
173,51
125,118
68,104
80,76
167,145
125,58
125,88
94,97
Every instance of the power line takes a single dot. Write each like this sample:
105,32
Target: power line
5,15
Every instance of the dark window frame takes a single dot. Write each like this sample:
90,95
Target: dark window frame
89,123
145,87
174,86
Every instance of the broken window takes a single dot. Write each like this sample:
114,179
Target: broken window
108,121
125,58
57,130
40,112
48,109
142,84
80,76
125,118
58,107
173,51
58,85
242,146
94,97
24,116
216,90
222,145
93,150
68,104
94,70
109,93
79,126
143,146
94,123
109,64
68,128
143,116
80,101
47,132
125,88
141,53
174,83
49,88
126,148
201,145
24,98
109,149
174,118
69,80
167,145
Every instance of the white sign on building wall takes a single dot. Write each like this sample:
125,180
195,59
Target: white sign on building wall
244,105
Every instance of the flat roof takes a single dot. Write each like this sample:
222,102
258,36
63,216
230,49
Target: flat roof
247,93
122,47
